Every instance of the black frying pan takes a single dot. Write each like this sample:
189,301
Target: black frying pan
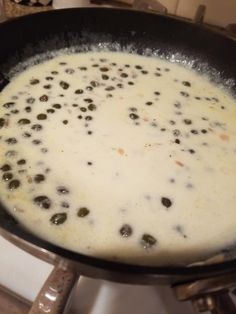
25,37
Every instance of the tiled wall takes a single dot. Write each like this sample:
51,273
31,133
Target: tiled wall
219,12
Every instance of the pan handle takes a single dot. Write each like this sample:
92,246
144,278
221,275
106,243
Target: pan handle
55,295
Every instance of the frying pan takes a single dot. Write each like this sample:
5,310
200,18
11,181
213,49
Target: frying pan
116,29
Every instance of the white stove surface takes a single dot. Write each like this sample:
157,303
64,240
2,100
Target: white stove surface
25,274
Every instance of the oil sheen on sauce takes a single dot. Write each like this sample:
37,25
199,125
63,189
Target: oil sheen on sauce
121,157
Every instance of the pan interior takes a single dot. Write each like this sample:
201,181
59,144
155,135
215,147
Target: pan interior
107,154
129,40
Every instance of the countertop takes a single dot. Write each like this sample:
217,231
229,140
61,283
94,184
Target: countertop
13,10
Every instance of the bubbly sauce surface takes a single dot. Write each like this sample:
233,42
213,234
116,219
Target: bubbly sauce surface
120,156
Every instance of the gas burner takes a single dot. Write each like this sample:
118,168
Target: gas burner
211,294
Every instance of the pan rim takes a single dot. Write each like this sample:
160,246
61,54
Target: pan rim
185,271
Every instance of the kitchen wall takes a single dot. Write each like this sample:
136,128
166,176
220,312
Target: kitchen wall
218,12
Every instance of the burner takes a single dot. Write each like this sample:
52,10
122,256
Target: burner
211,294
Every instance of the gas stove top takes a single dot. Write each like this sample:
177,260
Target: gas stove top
24,275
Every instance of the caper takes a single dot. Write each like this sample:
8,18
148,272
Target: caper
126,230
23,121
59,218
148,241
83,211
14,184
166,202
42,201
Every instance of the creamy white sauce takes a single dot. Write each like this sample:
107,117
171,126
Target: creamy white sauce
166,168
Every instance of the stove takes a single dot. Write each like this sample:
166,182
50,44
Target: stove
22,275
